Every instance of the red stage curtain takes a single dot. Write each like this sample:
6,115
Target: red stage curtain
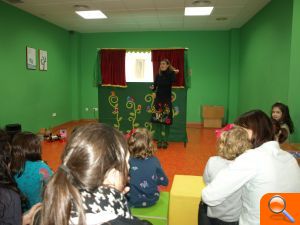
176,58
113,67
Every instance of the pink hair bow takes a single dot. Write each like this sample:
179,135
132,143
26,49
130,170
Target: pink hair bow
226,128
128,135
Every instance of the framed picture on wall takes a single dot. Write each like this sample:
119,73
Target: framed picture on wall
43,60
31,58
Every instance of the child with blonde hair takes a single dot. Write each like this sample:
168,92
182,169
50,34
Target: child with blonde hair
230,144
146,173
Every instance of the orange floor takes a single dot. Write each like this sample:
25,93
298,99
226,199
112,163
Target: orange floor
177,159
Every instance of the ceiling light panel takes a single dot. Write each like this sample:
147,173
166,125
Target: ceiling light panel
91,14
198,11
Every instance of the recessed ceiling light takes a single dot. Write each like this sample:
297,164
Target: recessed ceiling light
196,2
81,7
91,14
198,11
201,2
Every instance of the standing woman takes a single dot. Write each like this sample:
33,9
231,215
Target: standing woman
163,110
264,169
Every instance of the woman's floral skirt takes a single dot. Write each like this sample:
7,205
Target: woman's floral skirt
162,113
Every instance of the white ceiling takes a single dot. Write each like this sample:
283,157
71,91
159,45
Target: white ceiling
142,15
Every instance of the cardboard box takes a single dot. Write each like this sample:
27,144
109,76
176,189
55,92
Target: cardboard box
212,123
212,116
209,111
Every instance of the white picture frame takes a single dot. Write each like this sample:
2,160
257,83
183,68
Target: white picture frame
43,60
30,58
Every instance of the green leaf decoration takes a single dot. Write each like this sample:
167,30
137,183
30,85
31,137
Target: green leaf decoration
131,114
136,124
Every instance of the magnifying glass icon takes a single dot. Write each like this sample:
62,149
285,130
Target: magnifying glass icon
277,205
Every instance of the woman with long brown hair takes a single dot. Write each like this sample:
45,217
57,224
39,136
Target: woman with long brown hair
163,110
88,187
10,201
10,195
264,169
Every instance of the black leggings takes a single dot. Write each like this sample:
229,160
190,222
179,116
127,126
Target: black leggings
203,219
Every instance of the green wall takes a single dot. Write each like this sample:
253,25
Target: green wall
264,57
208,59
233,81
30,97
269,60
294,82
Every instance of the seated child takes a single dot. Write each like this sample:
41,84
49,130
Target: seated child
145,172
281,134
281,113
230,145
31,173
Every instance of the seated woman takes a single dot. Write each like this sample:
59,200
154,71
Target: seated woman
10,197
10,201
88,188
264,169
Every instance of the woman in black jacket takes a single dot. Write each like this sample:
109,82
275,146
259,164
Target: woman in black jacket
163,110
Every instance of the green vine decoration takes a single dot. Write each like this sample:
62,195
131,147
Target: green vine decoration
175,109
149,98
173,96
136,109
148,125
113,101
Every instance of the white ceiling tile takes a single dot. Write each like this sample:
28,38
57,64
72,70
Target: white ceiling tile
223,3
142,15
139,4
166,4
170,19
171,12
223,11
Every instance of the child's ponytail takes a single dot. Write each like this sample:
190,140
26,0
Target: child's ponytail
59,196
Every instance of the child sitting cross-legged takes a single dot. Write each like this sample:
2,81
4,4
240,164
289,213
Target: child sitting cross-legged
146,173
